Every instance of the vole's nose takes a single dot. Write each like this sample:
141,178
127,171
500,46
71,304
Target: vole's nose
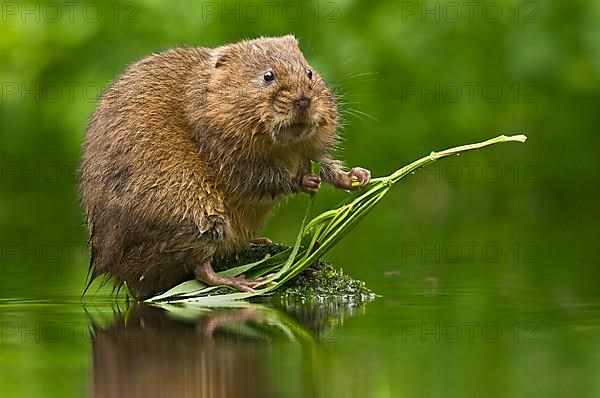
302,103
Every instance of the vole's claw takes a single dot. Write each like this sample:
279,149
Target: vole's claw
263,278
261,242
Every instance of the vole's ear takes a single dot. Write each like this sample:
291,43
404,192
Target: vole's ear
221,58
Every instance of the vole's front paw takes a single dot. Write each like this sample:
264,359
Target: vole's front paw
310,183
358,174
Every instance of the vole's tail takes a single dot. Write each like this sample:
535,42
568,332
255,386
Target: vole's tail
90,277
92,273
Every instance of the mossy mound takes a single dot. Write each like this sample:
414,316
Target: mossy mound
321,282
318,283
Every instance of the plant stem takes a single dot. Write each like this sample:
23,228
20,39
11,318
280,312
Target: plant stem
433,156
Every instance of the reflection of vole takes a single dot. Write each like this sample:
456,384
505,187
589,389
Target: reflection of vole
153,355
190,149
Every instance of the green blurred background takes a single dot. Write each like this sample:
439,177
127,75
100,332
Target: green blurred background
507,234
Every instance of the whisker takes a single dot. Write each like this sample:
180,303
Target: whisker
357,75
347,112
352,58
357,112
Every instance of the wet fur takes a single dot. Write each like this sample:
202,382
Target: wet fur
186,155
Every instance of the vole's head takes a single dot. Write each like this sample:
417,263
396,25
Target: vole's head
267,91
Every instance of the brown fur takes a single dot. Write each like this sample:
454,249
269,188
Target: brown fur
190,149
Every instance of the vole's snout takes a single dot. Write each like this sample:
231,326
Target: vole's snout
302,103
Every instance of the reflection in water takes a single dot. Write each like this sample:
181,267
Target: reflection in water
202,352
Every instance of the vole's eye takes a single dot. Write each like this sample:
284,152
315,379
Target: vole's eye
269,76
309,74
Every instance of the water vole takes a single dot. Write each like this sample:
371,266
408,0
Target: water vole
190,149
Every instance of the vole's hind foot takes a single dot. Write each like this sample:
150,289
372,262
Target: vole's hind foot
244,285
261,242
206,274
